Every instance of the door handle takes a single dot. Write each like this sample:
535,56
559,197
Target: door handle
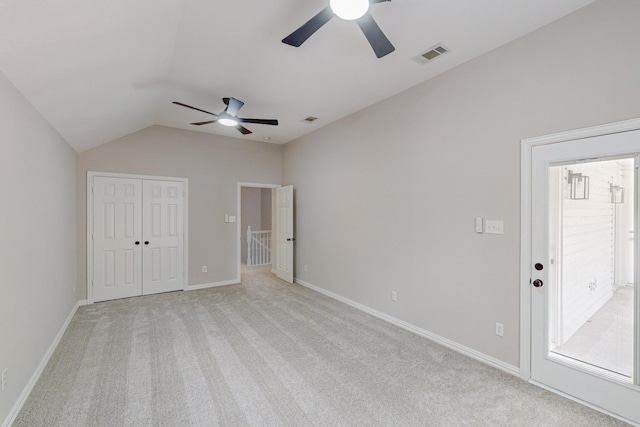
538,283
291,239
137,243
146,242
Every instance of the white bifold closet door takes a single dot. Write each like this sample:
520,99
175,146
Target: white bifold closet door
138,237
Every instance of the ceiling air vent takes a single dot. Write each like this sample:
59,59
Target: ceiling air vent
310,119
431,54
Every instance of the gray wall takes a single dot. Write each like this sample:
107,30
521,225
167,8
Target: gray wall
390,205
266,208
38,287
251,215
213,164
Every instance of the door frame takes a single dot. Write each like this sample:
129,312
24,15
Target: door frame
239,221
93,174
527,146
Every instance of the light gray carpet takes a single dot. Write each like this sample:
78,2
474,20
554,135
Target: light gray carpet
266,353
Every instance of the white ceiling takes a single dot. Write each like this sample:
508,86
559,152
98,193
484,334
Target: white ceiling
101,69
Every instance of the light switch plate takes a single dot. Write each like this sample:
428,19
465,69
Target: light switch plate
232,218
478,224
494,227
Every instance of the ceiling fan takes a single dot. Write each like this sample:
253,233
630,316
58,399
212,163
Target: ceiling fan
229,117
349,10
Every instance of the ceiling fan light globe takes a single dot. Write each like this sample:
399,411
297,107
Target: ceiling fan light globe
349,10
227,122
227,119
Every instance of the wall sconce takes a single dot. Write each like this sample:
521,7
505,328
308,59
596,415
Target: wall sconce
579,186
617,193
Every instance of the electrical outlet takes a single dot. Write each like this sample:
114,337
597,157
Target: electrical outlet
394,296
204,268
499,329
4,379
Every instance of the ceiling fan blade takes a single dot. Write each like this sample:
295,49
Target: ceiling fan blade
272,122
233,106
204,123
301,35
193,108
243,129
378,41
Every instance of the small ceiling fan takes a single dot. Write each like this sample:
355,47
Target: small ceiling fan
349,10
229,117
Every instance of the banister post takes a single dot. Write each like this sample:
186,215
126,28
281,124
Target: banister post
249,246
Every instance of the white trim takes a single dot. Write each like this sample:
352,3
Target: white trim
239,220
588,132
582,402
526,147
90,176
13,413
212,285
474,354
525,261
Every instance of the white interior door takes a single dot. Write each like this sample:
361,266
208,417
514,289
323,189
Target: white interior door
584,311
116,238
163,251
285,237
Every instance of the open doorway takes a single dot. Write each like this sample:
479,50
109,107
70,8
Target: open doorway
256,235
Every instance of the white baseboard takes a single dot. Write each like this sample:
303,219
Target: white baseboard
43,363
212,285
474,354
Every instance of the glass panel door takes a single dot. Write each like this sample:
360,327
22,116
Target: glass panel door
584,276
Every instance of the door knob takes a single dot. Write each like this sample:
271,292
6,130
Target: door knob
137,243
291,239
146,242
538,283
539,266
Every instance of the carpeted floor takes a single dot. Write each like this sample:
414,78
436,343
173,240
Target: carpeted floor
266,353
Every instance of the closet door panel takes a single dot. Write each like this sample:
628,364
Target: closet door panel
163,234
117,226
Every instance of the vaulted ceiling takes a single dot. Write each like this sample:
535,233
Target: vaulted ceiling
98,70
